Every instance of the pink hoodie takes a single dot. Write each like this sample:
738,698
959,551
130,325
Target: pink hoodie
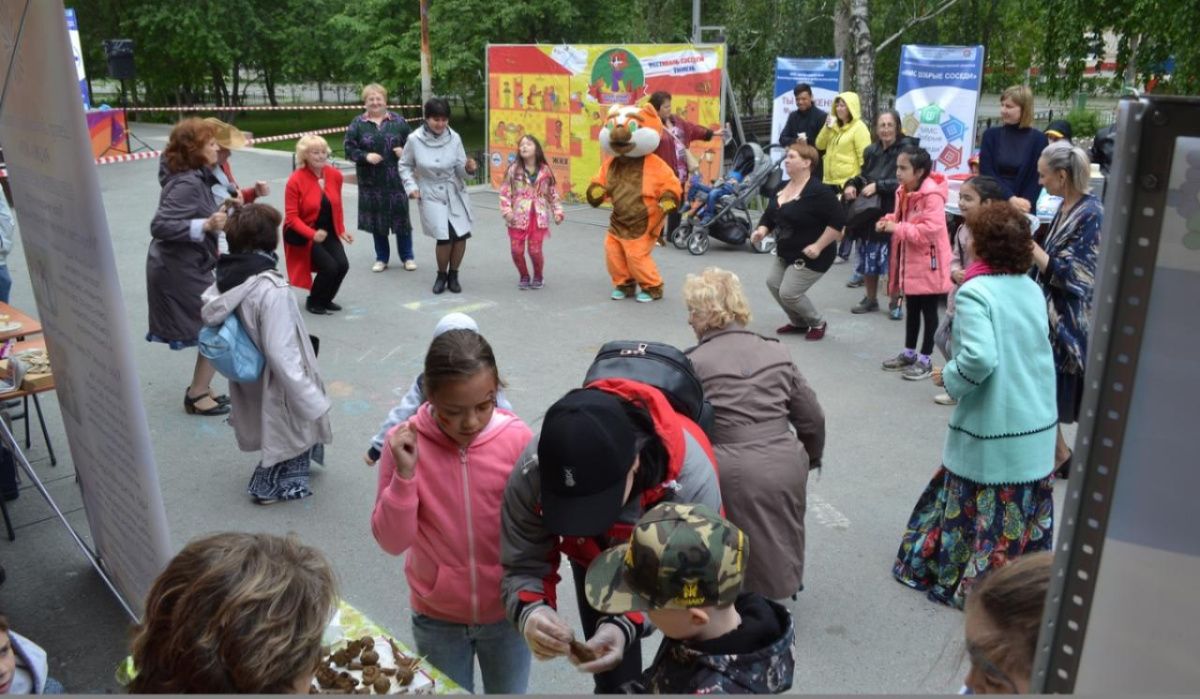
449,515
920,239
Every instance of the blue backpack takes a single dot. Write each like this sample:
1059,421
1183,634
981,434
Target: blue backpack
229,347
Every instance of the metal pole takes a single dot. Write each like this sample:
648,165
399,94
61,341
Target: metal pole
695,21
426,56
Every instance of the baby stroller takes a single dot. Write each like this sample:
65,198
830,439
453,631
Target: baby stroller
730,223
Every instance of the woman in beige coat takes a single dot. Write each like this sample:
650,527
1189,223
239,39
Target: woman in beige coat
759,398
285,414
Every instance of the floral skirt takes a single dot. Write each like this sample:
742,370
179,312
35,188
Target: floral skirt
286,480
960,530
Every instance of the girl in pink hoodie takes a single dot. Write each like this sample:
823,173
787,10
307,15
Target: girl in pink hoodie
919,267
442,475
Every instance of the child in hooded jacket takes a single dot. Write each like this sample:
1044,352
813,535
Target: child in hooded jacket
919,267
528,201
441,482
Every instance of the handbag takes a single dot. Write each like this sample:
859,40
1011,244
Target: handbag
659,365
229,347
862,211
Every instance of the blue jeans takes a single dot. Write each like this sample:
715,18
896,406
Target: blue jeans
5,283
503,656
404,246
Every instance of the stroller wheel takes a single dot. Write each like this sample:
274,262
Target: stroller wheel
698,242
680,234
764,246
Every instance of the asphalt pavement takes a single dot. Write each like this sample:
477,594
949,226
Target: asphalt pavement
858,631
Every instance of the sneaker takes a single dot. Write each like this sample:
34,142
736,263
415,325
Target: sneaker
265,501
896,313
855,281
537,283
379,266
643,297
866,306
944,399
816,333
840,260
789,329
618,295
331,306
523,285
315,308
918,370
900,362
410,265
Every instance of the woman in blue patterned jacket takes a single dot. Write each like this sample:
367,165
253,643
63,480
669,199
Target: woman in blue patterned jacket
1065,259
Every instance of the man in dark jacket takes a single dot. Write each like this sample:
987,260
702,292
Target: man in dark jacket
683,566
805,123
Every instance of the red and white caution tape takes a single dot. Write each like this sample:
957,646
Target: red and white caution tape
267,108
128,157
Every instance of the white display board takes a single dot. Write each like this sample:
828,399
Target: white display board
1123,615
64,234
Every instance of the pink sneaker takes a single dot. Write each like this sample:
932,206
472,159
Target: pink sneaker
523,285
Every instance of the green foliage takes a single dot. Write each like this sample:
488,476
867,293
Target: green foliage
1084,123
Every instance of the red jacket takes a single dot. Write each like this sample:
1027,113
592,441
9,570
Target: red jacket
301,206
249,194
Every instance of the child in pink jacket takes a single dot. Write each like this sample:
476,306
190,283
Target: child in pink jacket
442,475
919,267
528,200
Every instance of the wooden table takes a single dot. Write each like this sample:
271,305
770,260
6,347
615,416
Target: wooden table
29,324
24,395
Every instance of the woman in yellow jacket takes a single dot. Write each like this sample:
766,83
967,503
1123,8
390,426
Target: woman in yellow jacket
843,139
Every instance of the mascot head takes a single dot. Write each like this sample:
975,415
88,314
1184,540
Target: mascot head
631,132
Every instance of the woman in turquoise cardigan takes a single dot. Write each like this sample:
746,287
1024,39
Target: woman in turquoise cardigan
991,500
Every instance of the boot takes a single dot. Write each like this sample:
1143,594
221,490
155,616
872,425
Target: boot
439,284
452,282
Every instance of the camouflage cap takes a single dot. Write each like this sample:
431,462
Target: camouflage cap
679,556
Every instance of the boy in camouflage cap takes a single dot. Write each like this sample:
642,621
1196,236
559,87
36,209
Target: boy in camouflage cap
683,566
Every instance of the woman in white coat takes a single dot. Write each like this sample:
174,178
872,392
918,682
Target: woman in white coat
434,167
285,414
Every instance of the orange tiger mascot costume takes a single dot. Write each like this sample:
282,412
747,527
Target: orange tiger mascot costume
642,189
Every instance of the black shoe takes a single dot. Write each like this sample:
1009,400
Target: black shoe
439,284
315,308
331,306
452,282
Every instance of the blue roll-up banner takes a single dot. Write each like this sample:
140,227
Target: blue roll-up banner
824,75
77,54
936,96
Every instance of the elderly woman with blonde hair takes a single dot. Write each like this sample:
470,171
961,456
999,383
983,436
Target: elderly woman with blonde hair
314,226
768,431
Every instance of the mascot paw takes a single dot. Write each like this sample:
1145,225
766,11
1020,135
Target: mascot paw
655,292
595,194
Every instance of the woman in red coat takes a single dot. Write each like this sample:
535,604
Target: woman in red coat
313,210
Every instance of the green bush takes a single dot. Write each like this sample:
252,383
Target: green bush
1084,122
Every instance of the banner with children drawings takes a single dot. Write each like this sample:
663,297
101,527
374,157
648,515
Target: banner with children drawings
936,96
560,94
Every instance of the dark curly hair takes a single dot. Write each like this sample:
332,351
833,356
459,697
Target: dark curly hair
1001,237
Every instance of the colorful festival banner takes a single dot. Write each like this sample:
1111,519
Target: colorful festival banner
823,75
108,132
77,54
562,93
936,96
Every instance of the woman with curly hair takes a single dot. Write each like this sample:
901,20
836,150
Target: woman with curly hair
183,253
235,613
991,500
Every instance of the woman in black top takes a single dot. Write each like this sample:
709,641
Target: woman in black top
807,220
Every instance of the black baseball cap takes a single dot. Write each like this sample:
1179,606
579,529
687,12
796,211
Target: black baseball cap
585,450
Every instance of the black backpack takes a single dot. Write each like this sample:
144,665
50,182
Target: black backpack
659,365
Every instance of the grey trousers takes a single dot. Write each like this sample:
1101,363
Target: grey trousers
790,286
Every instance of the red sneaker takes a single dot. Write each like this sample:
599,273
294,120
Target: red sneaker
789,329
816,333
